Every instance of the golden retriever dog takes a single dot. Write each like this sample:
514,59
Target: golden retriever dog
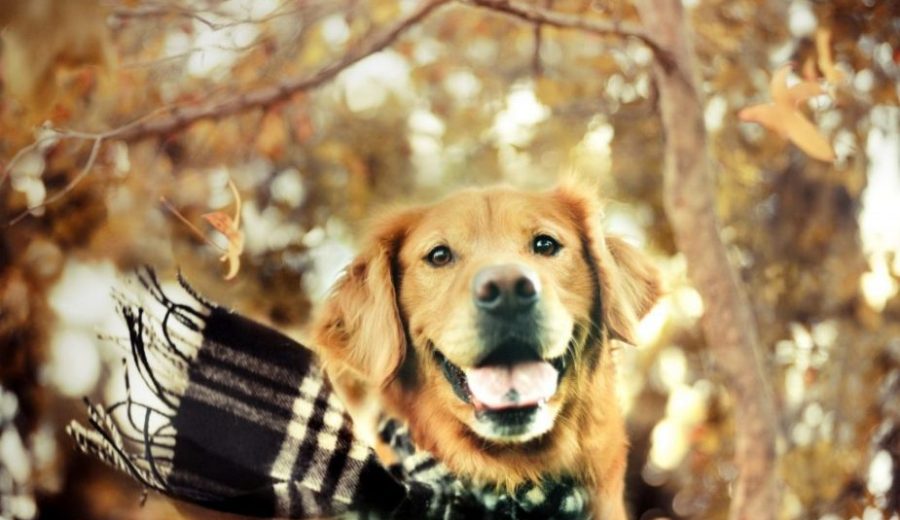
484,321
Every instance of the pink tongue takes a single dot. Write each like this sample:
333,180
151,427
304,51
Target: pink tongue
512,386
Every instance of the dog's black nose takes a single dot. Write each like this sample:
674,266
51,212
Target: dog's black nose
506,289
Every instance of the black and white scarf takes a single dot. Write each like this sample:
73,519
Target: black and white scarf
240,419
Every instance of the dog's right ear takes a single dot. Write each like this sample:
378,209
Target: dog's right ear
360,328
629,283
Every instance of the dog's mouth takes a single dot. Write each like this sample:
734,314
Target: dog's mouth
511,381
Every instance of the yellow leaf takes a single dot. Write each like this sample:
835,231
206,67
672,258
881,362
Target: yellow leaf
787,96
826,60
778,86
803,91
806,136
784,117
766,115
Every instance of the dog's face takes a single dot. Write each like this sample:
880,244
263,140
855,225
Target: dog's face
497,296
489,309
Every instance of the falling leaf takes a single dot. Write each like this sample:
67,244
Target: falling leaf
804,91
230,227
766,115
826,60
791,97
224,224
783,115
806,136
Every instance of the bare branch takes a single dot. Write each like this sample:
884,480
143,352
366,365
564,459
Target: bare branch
181,117
7,170
55,135
95,150
536,14
178,118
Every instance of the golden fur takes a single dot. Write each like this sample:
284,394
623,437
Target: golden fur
376,331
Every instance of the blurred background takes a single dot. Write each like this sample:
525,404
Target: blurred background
464,97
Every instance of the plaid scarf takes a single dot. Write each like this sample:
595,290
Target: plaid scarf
240,419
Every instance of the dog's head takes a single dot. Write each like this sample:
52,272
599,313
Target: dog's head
483,318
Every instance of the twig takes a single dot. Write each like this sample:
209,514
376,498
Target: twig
57,135
182,117
161,11
22,153
173,210
185,12
95,150
535,14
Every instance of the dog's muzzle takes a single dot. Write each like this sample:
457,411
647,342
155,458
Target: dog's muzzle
510,381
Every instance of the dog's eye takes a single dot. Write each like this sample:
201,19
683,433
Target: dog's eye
439,256
545,246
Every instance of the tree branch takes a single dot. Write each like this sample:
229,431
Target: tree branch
536,14
181,117
728,323
85,170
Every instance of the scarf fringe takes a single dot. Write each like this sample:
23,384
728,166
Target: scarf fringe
138,438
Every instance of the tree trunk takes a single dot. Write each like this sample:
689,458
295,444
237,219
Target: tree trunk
728,322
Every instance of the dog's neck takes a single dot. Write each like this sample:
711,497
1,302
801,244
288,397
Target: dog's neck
557,497
587,445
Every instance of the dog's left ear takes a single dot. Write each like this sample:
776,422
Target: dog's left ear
360,329
629,282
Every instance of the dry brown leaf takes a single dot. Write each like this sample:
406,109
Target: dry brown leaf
784,117
231,229
228,226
